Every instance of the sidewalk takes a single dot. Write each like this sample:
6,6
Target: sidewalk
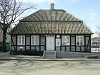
7,56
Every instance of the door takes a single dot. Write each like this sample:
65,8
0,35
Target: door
50,44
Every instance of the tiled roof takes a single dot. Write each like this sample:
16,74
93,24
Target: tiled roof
53,21
50,28
51,15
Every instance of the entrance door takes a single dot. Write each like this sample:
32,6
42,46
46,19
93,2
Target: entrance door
50,42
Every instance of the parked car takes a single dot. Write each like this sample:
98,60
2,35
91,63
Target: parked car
95,44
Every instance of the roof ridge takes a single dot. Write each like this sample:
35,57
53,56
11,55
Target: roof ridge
53,10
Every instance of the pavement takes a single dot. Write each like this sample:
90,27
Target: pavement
36,65
7,56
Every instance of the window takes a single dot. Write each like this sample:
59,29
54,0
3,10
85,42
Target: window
42,40
65,40
58,42
34,40
21,40
79,40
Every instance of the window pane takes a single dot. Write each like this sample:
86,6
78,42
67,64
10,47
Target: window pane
79,40
37,40
68,40
19,40
58,42
23,40
63,40
32,42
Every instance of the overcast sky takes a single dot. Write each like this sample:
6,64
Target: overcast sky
86,10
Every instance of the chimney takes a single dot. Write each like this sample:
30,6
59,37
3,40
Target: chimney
52,6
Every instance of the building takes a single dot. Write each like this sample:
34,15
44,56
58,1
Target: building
95,42
95,39
50,30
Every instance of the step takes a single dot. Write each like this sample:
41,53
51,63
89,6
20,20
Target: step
49,54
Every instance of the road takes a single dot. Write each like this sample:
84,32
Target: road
31,67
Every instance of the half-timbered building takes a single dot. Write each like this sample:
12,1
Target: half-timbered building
50,30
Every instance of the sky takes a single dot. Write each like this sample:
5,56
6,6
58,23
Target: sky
86,10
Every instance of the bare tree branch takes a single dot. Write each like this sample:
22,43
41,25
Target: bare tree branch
98,31
10,11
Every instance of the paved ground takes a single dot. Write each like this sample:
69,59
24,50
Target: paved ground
31,67
36,65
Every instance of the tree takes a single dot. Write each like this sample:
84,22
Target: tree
10,10
98,31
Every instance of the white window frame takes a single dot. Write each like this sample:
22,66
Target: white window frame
35,40
66,39
81,41
20,41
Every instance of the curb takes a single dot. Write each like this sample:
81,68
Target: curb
50,59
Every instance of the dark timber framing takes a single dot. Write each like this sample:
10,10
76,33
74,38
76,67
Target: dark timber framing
75,43
84,42
30,42
84,48
25,42
16,42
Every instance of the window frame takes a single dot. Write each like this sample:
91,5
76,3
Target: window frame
35,38
21,39
80,40
66,36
